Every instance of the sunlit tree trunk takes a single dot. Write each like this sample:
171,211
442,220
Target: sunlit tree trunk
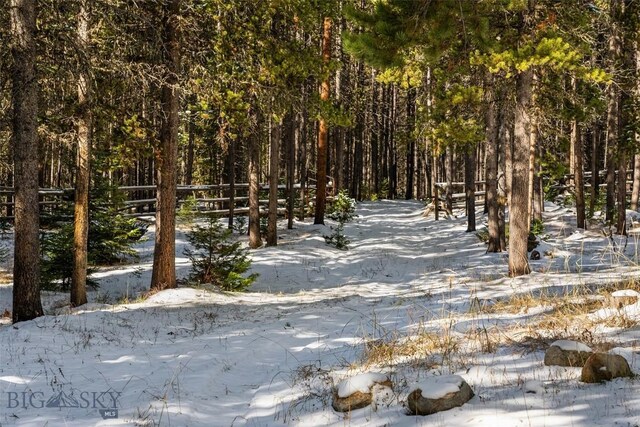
81,206
26,259
323,131
164,255
613,109
576,142
635,193
469,188
491,177
274,169
255,240
290,143
232,182
519,204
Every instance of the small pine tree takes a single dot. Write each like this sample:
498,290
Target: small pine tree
342,210
218,258
111,236
337,238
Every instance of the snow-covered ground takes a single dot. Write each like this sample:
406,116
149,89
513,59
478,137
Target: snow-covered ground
315,316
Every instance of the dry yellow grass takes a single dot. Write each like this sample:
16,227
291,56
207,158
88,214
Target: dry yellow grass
564,317
423,348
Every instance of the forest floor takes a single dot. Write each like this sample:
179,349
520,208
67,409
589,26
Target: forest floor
412,297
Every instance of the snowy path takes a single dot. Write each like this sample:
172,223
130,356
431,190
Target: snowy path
191,357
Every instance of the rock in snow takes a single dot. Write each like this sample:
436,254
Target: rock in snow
605,367
567,353
355,392
439,393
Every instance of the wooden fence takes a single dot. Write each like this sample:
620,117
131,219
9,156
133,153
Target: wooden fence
140,201
566,184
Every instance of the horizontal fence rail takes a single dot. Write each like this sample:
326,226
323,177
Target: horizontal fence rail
139,200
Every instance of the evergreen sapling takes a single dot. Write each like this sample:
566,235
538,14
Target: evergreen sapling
218,258
342,210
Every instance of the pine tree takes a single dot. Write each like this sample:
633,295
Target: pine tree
26,264
217,258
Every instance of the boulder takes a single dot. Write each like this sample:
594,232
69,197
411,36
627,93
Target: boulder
567,353
356,400
605,367
439,393
356,392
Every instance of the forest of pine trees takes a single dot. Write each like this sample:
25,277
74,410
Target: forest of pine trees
383,98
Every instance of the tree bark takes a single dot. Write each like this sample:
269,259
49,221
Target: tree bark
301,132
519,203
411,151
232,182
255,240
621,196
576,144
503,184
164,255
470,188
491,175
274,169
448,170
613,108
191,142
83,175
533,161
635,192
595,176
26,260
323,131
291,160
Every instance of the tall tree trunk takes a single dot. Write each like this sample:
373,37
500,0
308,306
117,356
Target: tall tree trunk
613,107
164,255
411,151
393,153
26,259
621,196
519,203
255,240
434,185
448,170
635,192
191,142
538,190
290,139
359,137
470,188
576,144
491,175
533,161
83,176
323,131
595,175
301,136
374,163
274,173
232,182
